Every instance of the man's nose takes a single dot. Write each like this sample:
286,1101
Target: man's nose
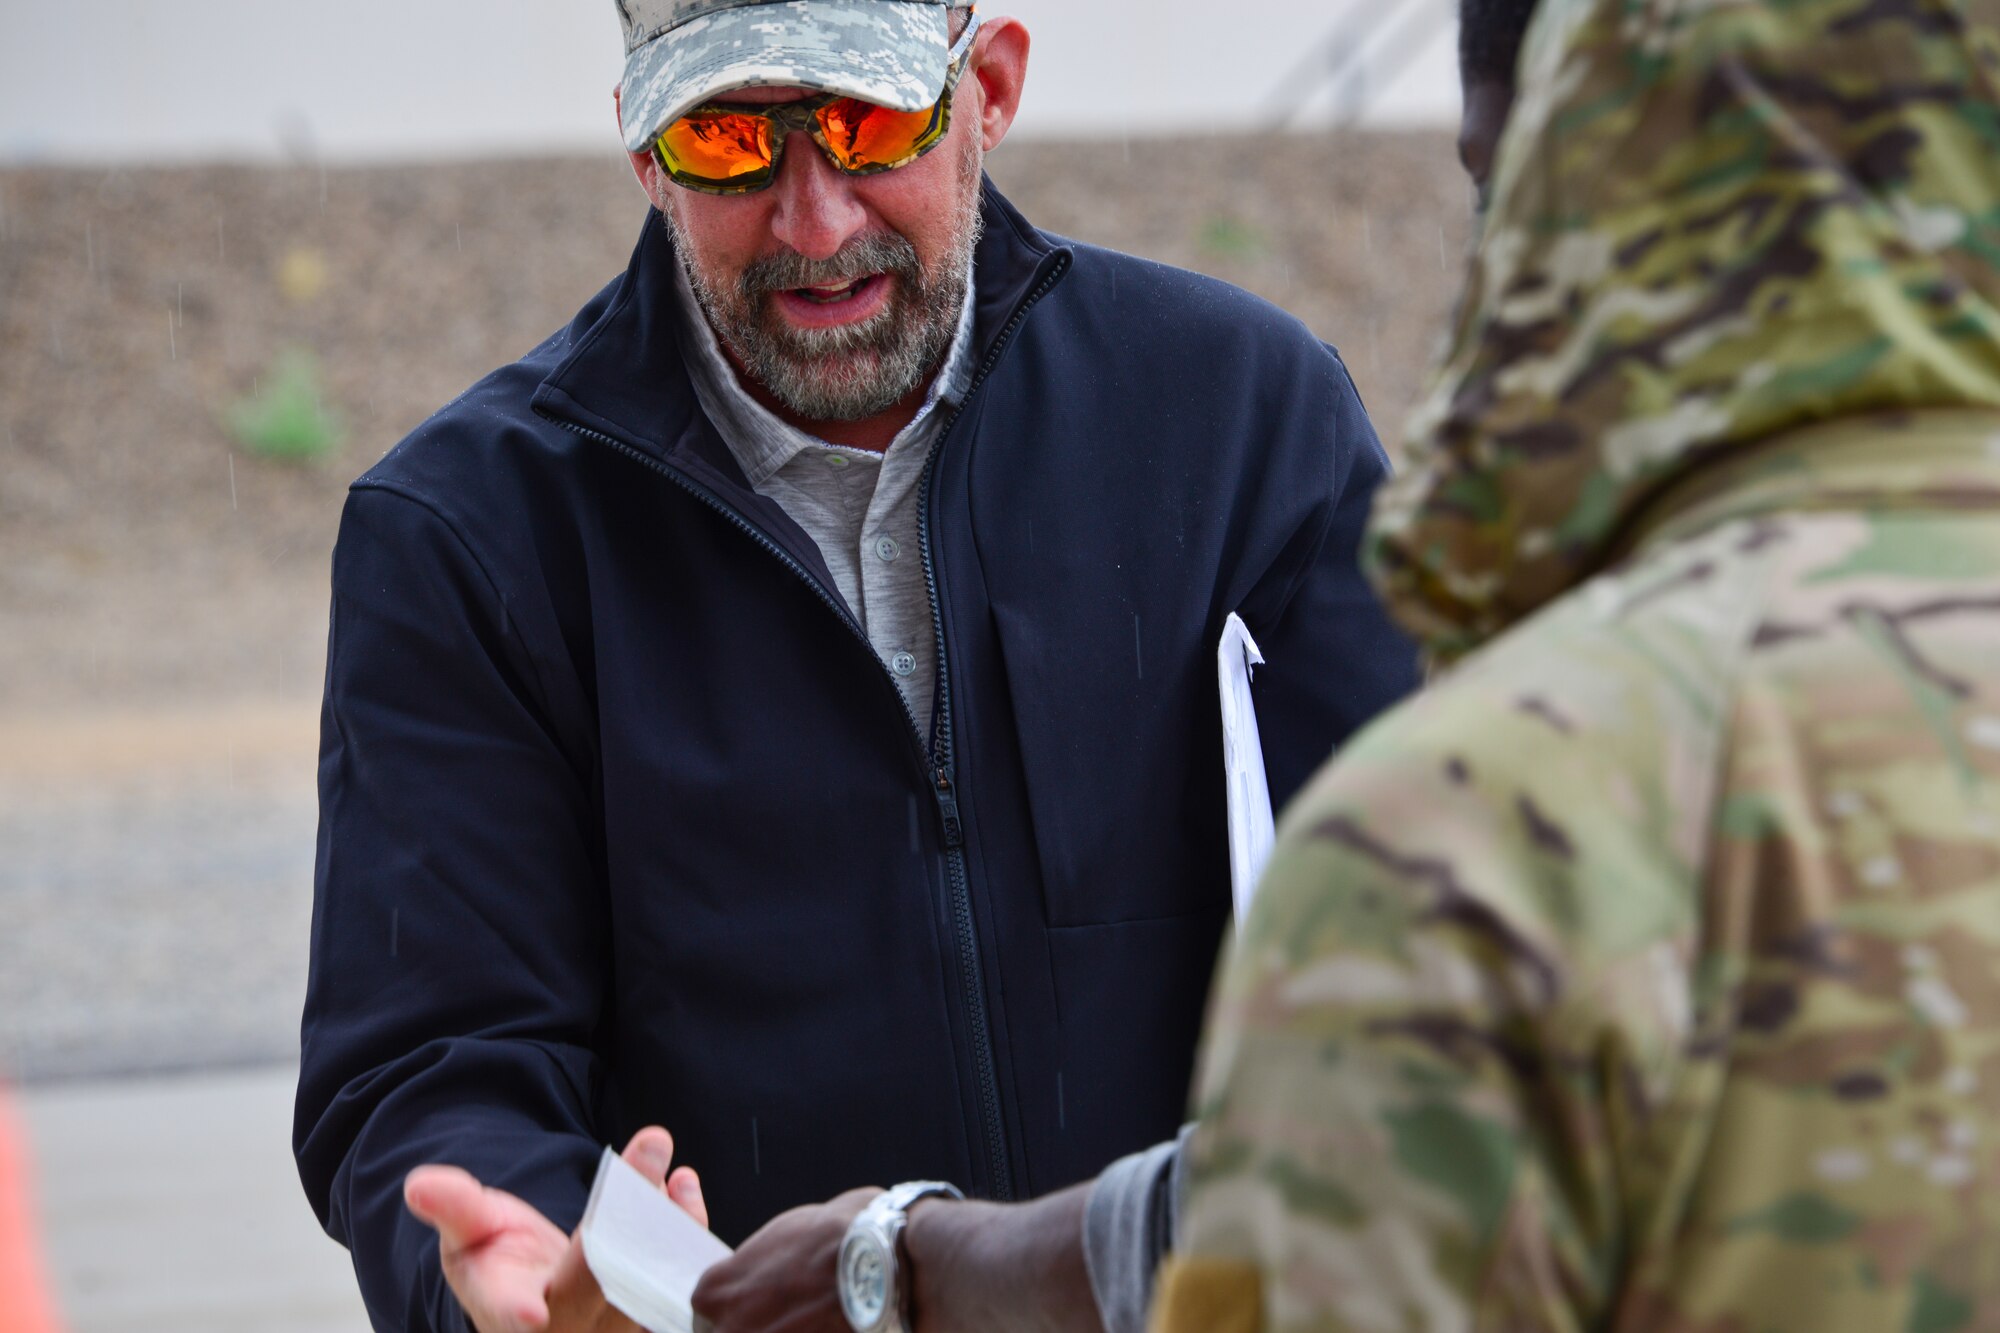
816,209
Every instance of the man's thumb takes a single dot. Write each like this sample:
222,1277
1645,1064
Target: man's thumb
651,1152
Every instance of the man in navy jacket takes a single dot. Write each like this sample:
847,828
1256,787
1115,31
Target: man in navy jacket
631,814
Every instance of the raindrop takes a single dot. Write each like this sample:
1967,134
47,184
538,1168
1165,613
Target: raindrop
180,309
89,251
232,481
1367,232
459,232
1444,263
756,1149
221,252
1138,661
173,351
1062,1109
395,931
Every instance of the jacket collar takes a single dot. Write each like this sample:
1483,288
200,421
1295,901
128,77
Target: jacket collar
626,377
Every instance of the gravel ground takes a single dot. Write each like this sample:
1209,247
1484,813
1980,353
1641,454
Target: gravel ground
155,877
155,889
153,928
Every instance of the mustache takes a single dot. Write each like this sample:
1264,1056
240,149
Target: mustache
878,252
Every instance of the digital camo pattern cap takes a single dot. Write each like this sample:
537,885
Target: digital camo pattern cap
681,53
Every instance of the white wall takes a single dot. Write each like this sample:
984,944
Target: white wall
99,80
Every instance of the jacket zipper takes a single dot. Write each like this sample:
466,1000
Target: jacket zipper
939,759
999,1163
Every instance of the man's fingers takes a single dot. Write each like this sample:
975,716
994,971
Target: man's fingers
453,1202
498,1252
650,1153
684,1188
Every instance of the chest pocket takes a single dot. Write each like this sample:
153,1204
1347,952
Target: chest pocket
1120,744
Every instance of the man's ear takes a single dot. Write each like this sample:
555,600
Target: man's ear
1000,63
644,165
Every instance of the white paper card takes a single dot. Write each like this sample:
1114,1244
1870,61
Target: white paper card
645,1252
1252,829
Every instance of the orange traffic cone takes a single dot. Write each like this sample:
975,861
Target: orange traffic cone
25,1306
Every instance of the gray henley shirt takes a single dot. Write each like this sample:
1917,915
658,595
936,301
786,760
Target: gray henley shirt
858,506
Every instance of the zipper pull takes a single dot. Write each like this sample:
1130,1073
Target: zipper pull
954,831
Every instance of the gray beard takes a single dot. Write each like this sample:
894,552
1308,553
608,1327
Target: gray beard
855,371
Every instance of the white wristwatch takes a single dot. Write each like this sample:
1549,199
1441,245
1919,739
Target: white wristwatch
874,1281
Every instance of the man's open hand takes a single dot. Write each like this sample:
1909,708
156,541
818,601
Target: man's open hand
511,1268
783,1279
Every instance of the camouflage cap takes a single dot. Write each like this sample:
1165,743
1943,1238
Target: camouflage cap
681,53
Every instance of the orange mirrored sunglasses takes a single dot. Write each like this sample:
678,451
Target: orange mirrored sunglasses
720,149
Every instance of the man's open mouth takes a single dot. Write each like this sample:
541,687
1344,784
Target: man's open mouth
837,292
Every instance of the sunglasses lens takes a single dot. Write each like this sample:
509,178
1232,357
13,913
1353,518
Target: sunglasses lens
865,137
717,149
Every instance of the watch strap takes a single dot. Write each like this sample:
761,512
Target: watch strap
901,1198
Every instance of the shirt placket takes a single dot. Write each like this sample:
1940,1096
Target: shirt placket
892,576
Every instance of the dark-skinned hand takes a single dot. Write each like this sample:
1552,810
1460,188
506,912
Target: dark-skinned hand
972,1267
783,1279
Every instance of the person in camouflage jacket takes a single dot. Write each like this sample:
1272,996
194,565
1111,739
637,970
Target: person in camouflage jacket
1645,973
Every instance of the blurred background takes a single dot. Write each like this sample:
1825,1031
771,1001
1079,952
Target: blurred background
244,248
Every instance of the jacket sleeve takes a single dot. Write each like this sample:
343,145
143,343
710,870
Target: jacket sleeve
1333,658
459,930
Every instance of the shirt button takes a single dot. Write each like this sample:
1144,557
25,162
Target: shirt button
887,548
904,664
837,461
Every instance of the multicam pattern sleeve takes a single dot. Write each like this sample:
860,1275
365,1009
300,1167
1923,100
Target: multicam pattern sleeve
1646,974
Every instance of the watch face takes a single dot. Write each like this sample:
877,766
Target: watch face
864,1282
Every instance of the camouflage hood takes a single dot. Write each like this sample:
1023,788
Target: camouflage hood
1712,221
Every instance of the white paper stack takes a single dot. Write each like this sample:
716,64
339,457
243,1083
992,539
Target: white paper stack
645,1252
1252,829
